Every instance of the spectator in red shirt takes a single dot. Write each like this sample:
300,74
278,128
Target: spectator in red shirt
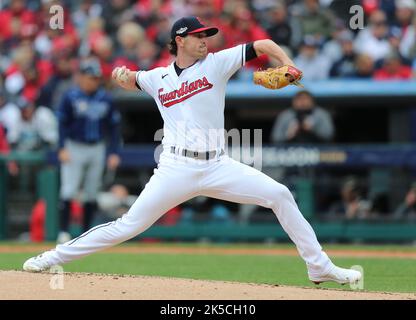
26,74
147,55
14,19
103,48
4,145
206,11
48,39
393,69
147,11
242,28
14,79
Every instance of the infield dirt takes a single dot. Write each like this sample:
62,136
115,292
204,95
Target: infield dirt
17,285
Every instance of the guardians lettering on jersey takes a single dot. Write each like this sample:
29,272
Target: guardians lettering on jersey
185,92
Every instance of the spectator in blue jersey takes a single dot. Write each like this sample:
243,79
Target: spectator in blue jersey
87,116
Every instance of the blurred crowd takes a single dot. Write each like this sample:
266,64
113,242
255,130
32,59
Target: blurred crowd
35,59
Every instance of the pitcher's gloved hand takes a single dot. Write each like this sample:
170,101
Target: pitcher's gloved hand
279,77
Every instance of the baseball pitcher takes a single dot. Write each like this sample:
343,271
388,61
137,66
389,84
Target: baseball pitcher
190,96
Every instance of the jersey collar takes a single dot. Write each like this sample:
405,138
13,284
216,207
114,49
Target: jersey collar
173,69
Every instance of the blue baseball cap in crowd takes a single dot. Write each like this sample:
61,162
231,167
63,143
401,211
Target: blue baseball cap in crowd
191,25
91,67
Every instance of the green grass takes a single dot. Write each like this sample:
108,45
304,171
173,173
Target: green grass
359,247
380,274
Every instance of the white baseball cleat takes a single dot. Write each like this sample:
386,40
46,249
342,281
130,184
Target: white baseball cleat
37,264
338,275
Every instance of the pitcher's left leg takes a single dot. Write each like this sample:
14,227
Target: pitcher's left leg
233,181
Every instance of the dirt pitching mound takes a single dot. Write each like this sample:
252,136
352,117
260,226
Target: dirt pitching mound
16,285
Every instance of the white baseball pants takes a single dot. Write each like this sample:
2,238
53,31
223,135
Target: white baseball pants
178,179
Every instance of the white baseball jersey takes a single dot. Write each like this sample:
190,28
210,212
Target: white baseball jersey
192,104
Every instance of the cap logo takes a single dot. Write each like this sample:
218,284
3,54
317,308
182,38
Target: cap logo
181,30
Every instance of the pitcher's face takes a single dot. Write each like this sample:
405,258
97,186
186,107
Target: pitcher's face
195,45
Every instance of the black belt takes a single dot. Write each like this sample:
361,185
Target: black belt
196,154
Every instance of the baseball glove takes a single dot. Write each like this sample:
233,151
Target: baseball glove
277,78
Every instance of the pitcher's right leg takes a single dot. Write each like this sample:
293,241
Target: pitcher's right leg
160,194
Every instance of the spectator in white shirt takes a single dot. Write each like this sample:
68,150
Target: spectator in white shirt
373,39
313,64
9,117
38,127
